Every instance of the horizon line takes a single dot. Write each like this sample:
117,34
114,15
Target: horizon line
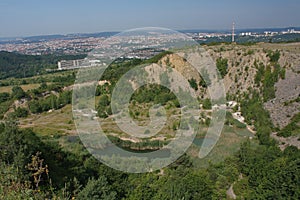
112,31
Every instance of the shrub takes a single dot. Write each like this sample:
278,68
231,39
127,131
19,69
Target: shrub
21,112
18,92
222,65
207,104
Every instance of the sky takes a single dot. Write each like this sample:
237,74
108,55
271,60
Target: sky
46,17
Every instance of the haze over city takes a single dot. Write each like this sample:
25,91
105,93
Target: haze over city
33,17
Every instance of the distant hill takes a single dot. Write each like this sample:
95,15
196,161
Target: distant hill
111,33
40,38
19,65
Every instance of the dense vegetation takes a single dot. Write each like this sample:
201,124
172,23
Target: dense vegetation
42,169
254,113
20,66
267,76
41,99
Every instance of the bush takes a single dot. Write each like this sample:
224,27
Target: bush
18,92
207,104
274,56
35,107
282,74
193,84
4,96
222,66
97,189
21,112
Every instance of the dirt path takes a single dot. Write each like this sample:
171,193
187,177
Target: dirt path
230,192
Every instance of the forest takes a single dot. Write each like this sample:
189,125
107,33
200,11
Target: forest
21,66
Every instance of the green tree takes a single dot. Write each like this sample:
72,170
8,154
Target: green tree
18,92
207,104
97,190
143,187
185,185
64,98
35,106
222,66
43,86
274,56
21,112
17,145
104,101
4,96
193,84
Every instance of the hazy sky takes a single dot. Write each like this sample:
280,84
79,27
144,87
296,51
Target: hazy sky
39,17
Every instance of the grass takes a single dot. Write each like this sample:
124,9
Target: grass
60,123
142,119
24,87
227,145
54,124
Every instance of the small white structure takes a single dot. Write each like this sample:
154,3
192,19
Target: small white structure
238,116
101,83
231,104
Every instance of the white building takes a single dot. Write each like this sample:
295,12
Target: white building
73,64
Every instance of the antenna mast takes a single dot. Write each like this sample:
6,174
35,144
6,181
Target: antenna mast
233,29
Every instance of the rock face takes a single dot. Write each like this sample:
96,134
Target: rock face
282,108
243,62
242,69
180,65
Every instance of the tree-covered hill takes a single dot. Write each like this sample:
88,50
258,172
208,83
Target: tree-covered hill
19,65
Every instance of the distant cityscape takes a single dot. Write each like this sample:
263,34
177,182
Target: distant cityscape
203,36
75,44
84,43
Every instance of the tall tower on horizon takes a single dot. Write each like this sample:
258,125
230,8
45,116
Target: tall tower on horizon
233,29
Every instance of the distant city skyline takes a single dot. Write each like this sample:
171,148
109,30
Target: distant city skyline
34,17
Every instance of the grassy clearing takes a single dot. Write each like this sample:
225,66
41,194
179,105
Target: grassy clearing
60,123
24,87
227,145
54,124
